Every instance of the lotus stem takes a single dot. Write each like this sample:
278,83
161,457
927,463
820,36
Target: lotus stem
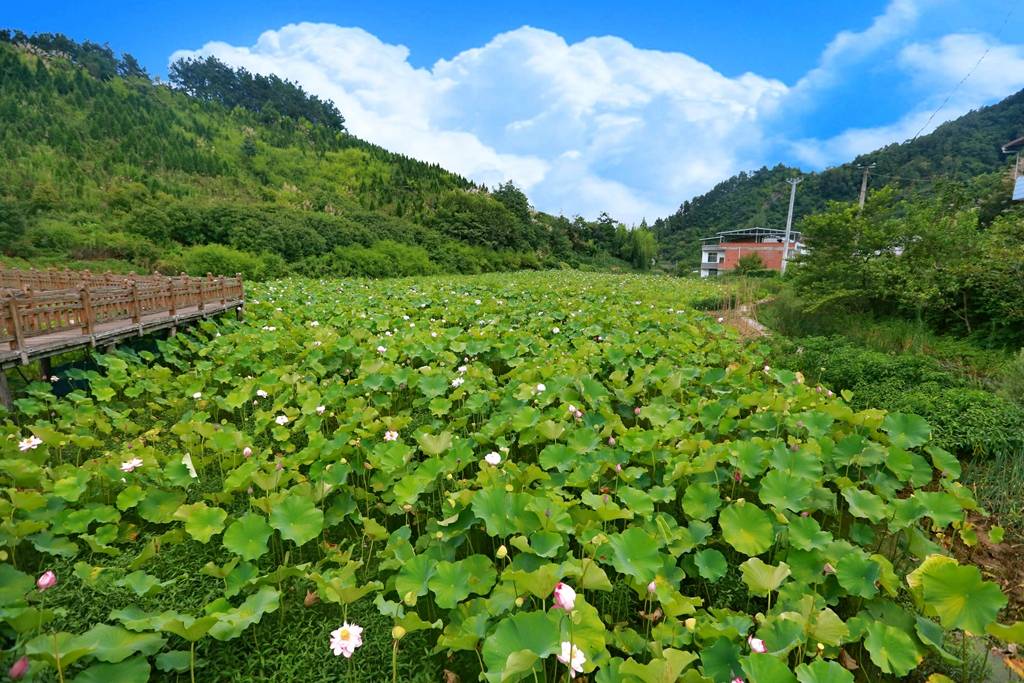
56,653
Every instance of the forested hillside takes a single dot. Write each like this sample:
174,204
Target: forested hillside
226,170
957,150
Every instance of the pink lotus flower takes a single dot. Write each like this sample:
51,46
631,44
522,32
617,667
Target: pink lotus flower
828,569
18,669
247,452
737,476
736,680
636,411
756,645
391,435
572,657
346,639
652,586
618,467
382,349
46,581
131,465
611,440
565,597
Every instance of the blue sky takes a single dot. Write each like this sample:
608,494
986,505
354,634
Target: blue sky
625,107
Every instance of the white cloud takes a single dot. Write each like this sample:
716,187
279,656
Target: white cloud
942,64
602,125
851,47
937,68
598,125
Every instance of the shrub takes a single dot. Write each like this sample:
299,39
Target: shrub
216,259
966,420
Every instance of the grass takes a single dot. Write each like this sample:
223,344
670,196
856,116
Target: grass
997,482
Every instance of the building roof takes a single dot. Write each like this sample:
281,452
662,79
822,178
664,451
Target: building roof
794,235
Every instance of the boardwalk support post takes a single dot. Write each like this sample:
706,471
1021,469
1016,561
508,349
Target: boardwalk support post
5,391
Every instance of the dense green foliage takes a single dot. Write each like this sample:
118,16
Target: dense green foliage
956,151
966,420
212,80
438,455
954,261
98,162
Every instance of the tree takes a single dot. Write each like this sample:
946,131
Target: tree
514,200
12,225
751,264
644,248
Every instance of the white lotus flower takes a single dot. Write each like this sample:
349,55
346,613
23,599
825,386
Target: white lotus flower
186,460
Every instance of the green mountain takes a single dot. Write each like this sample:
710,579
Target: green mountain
226,170
956,151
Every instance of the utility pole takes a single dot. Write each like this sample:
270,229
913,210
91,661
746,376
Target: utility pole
864,184
793,182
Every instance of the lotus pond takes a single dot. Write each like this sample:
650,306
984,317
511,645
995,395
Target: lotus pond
535,477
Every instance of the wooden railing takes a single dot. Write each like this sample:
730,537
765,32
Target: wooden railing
13,278
39,302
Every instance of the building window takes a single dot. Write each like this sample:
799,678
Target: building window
712,257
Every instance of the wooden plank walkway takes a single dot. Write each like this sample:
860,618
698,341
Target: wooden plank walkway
47,312
46,345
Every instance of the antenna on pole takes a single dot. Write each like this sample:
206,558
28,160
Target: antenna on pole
793,182
864,185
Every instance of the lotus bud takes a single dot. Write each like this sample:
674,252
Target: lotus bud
398,633
18,669
409,599
502,552
821,647
618,467
519,602
509,488
690,623
636,411
344,461
611,440
311,599
407,507
652,586
46,581
247,452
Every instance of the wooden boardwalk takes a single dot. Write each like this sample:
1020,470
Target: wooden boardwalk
45,313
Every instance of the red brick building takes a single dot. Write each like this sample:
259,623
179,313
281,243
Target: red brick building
722,252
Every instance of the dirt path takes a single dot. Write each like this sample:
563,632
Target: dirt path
743,320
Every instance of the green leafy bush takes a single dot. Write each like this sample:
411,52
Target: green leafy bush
966,420
218,259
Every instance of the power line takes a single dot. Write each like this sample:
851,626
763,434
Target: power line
999,33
